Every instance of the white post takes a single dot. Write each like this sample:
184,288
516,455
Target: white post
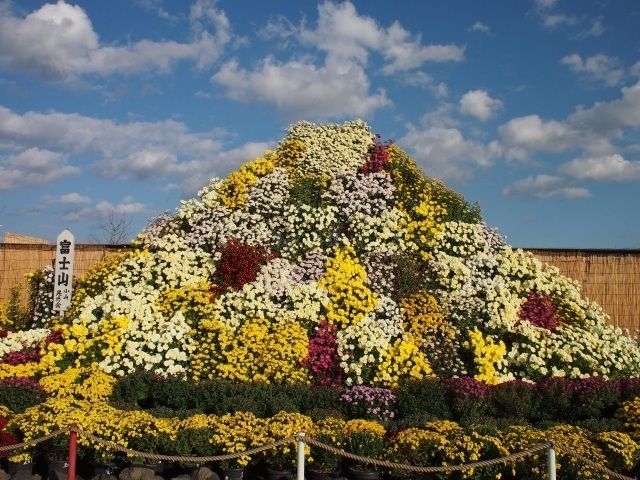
300,456
63,272
551,461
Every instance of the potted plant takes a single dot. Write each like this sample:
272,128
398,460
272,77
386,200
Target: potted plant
6,439
364,438
324,464
233,434
280,461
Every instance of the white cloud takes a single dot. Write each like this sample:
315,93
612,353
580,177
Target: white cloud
598,67
604,168
337,86
544,186
479,104
608,119
301,89
74,198
480,27
532,133
444,152
33,166
134,150
156,7
344,33
635,69
555,20
126,206
545,4
592,130
144,163
596,29
58,42
406,53
423,80
552,19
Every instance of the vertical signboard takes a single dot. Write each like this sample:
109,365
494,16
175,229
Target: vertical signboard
63,272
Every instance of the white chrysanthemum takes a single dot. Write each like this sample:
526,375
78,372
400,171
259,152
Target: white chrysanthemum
331,148
22,340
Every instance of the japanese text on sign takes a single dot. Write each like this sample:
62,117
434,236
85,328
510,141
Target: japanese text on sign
63,272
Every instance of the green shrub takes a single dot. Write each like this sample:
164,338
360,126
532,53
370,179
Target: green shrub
408,275
422,398
458,209
515,399
134,389
555,399
320,397
597,425
174,393
306,190
17,315
18,394
211,395
240,403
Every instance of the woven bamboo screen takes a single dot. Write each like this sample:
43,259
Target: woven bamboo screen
16,260
608,277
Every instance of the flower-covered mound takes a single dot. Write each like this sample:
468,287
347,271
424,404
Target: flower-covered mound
331,260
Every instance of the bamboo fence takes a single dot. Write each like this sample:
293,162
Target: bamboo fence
609,277
17,260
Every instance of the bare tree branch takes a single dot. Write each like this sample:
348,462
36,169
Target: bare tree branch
114,229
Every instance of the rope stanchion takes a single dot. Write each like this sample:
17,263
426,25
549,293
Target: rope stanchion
75,431
591,463
183,459
551,461
33,442
422,469
71,459
301,444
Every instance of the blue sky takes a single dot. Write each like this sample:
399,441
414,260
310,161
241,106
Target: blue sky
530,108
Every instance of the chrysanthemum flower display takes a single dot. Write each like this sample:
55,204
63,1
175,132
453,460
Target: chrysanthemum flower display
331,259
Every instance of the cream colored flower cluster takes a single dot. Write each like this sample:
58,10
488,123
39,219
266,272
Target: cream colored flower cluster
275,296
331,148
151,341
22,340
486,288
362,344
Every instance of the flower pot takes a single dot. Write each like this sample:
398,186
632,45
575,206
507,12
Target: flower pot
20,471
234,474
369,473
313,474
274,474
105,469
57,469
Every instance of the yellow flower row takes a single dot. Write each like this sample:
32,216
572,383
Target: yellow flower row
403,359
258,351
350,300
486,354
234,188
435,443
